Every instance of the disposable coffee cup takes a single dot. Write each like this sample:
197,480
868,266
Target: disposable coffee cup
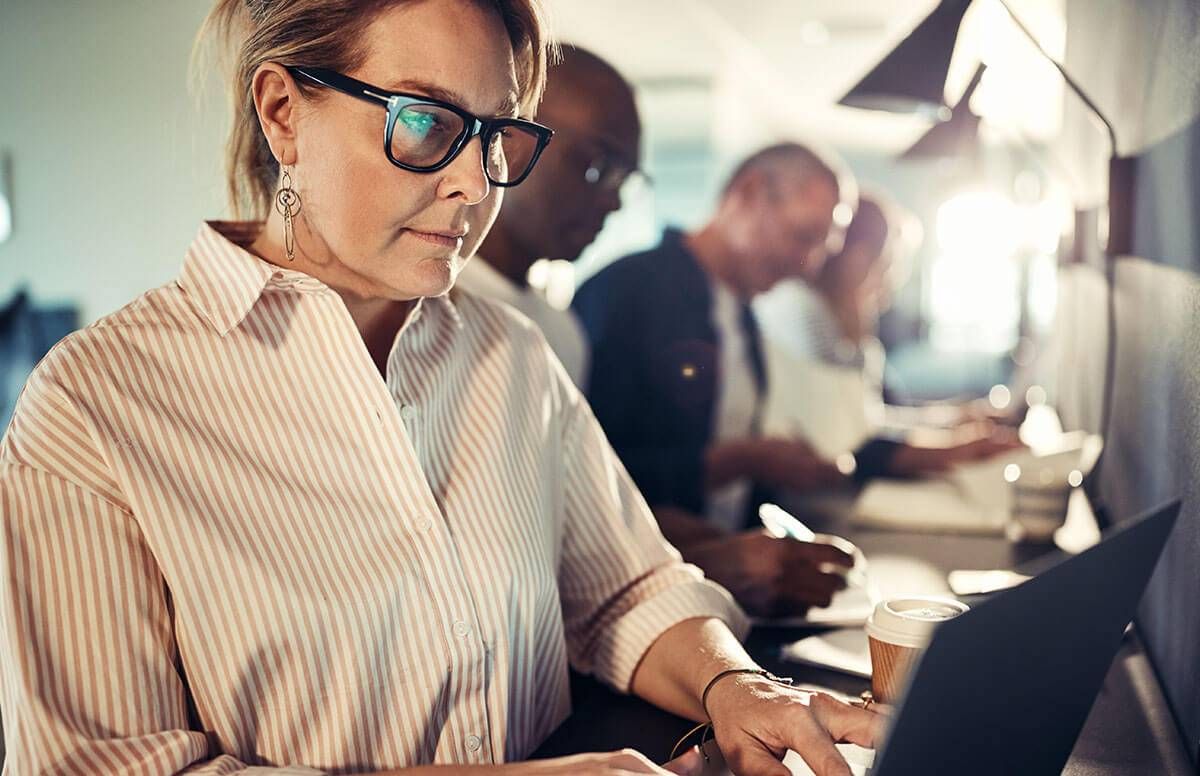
1039,504
897,630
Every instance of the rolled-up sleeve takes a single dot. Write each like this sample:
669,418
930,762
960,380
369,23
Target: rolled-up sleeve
622,584
87,652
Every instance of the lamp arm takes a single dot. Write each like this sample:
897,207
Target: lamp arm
1075,87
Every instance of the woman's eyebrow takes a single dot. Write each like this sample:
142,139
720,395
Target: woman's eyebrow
507,107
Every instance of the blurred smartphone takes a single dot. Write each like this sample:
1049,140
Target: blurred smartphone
972,582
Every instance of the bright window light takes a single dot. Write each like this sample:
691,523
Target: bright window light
975,305
1043,291
983,224
974,283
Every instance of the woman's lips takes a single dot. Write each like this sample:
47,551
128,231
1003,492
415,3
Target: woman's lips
436,238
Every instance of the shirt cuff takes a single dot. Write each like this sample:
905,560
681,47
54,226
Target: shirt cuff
874,458
628,639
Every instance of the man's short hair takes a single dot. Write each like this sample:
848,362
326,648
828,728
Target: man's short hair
802,164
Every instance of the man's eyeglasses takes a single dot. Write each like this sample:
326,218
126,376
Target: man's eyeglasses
608,169
610,174
424,134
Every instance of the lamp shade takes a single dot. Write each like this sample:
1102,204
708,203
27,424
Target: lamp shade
912,79
957,136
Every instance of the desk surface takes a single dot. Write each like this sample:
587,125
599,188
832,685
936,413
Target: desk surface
1129,731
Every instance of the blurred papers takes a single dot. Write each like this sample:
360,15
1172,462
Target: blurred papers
843,650
973,498
849,607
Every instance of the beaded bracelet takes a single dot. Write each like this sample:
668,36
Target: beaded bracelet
707,726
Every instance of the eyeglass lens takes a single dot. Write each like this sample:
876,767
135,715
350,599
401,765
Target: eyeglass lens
423,135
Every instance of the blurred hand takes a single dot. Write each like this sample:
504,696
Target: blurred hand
755,721
914,461
793,464
981,410
773,577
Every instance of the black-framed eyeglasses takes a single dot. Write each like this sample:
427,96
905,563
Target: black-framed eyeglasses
424,134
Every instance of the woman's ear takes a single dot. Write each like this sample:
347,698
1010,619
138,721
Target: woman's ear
275,96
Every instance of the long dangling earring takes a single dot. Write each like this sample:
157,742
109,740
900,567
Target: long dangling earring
287,202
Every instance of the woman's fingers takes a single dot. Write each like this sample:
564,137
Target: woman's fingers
624,762
754,760
801,733
633,761
845,722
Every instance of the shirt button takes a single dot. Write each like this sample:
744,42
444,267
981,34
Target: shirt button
427,524
409,413
461,629
474,743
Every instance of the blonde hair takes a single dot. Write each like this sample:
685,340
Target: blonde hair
322,33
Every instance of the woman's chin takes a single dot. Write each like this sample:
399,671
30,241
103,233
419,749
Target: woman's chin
432,277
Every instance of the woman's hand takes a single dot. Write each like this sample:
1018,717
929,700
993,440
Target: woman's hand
623,763
626,762
756,720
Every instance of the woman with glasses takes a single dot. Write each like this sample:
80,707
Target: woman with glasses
306,510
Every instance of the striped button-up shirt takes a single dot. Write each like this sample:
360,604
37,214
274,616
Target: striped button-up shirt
230,543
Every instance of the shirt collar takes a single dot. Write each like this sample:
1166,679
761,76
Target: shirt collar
224,281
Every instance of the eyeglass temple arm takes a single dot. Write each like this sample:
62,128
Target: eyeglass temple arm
344,84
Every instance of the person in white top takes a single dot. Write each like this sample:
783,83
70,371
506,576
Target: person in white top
830,316
560,209
561,328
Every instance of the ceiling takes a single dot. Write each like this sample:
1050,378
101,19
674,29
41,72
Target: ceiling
738,73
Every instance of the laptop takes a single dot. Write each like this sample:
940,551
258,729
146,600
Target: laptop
1006,688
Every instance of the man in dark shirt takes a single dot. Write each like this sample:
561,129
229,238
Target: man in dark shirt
677,377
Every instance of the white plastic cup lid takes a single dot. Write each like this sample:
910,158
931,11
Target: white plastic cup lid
909,622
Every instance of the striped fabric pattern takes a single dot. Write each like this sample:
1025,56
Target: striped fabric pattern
230,546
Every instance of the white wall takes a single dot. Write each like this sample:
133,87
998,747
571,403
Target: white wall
1140,63
114,162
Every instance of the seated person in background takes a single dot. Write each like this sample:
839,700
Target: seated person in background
559,209
830,317
677,377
